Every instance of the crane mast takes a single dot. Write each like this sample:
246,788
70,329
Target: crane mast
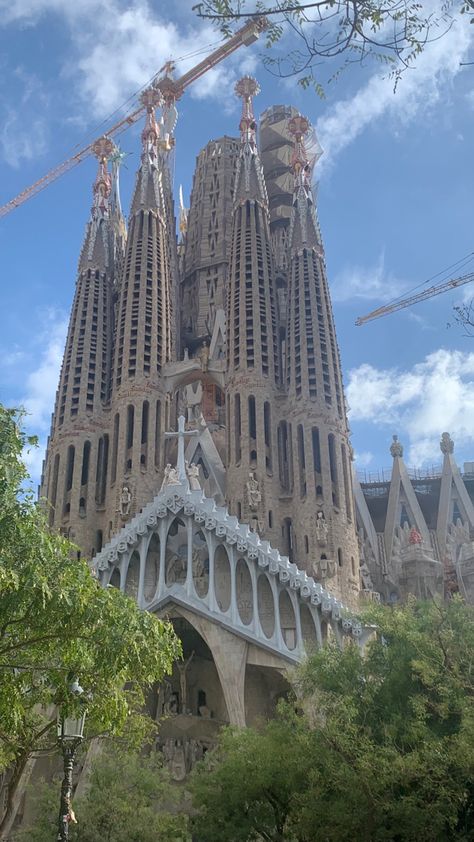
170,89
414,299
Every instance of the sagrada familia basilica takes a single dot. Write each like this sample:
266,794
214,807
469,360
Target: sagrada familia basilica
199,453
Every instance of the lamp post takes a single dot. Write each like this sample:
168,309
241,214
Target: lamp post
70,733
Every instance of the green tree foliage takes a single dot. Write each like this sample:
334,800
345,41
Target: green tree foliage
129,798
380,747
337,33
57,624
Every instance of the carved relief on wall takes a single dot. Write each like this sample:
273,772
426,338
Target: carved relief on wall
324,569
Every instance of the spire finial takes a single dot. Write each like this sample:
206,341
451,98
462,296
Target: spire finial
299,127
246,88
102,149
396,448
151,98
446,444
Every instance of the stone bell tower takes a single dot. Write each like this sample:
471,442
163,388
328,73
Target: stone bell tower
74,480
144,334
253,356
315,436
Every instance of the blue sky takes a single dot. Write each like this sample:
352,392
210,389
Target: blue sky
395,198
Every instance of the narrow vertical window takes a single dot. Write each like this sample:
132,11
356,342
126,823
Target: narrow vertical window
252,431
333,469
54,489
70,467
347,485
145,416
86,452
316,450
158,435
238,430
267,423
130,425
115,447
301,460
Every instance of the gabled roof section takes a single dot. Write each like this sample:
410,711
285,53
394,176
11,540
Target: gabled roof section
452,491
177,498
402,493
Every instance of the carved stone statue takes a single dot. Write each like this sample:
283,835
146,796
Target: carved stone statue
125,501
204,355
182,668
446,444
192,471
170,477
365,578
396,448
163,701
414,536
322,529
254,495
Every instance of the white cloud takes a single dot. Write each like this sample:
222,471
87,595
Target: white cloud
420,88
42,381
374,283
421,403
118,47
363,459
41,384
23,137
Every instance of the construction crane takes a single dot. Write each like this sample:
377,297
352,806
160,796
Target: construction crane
168,88
454,283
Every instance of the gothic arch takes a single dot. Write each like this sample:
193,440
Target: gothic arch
152,568
222,578
266,606
133,576
244,591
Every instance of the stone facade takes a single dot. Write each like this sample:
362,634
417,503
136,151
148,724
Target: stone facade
416,528
260,542
259,381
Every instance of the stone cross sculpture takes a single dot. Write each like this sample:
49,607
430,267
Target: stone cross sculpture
180,435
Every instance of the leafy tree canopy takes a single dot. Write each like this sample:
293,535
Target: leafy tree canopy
376,746
337,33
129,798
58,624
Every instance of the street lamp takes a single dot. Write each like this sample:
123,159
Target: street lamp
70,733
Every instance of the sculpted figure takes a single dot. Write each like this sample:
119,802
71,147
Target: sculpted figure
254,496
182,668
446,444
193,477
204,356
396,448
125,501
170,477
365,577
322,529
414,536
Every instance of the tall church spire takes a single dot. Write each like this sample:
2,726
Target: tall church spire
249,181
253,372
143,340
304,230
316,430
71,484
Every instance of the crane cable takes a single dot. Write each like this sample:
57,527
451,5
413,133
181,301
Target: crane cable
96,130
453,268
